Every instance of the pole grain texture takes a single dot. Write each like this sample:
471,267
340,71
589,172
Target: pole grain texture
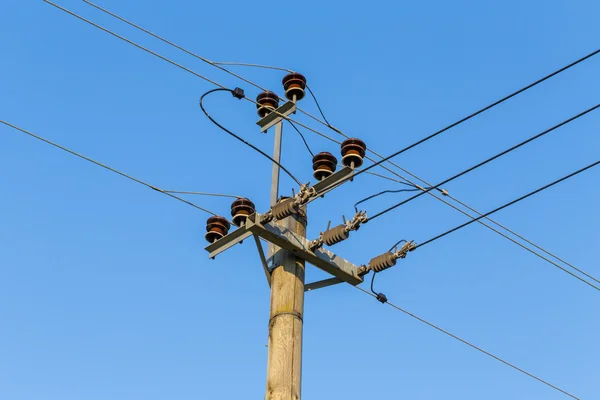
284,365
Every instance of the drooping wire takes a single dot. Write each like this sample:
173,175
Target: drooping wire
303,138
381,193
191,71
479,349
539,135
318,105
238,137
104,166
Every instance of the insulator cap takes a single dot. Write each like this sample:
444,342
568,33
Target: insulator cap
353,151
267,101
216,228
382,262
284,208
241,209
294,85
324,165
335,235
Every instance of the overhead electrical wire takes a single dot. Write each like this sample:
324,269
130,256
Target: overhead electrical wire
240,138
203,194
303,138
372,151
104,166
539,135
387,159
509,204
479,349
382,193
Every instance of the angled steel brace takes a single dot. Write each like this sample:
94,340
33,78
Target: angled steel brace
263,259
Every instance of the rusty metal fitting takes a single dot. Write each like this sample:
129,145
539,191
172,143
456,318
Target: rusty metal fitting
216,228
408,246
353,152
294,85
284,208
241,209
267,102
324,165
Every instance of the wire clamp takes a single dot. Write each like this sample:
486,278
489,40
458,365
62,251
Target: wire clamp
238,93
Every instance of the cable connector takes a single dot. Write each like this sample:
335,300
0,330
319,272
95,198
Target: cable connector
238,93
339,233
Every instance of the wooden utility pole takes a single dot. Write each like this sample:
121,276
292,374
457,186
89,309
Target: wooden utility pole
284,365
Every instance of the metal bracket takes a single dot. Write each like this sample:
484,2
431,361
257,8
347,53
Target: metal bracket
321,284
273,118
300,246
263,259
331,182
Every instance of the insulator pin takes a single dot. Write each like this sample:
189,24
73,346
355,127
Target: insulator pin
284,209
241,209
267,102
353,152
216,228
324,165
335,235
383,262
294,85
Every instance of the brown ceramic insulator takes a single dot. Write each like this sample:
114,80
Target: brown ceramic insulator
353,151
284,208
241,209
382,262
267,101
216,228
294,85
324,165
335,235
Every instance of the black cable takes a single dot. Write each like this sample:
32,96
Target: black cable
494,104
508,204
486,161
394,246
318,106
104,166
239,138
380,193
302,136
487,353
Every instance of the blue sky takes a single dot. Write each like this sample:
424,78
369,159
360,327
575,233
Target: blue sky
106,290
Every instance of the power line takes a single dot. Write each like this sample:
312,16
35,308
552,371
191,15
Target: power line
343,134
382,193
303,138
487,353
181,66
238,137
494,104
104,166
539,135
509,204
203,194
